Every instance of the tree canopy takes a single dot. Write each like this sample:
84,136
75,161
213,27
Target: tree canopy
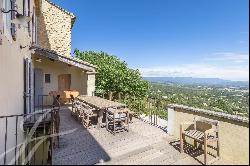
113,74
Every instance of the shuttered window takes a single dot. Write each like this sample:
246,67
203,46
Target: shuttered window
26,12
7,20
29,27
1,24
34,27
13,16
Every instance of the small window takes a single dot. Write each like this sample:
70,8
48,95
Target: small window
47,78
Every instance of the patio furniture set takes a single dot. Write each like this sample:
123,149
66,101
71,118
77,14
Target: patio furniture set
92,111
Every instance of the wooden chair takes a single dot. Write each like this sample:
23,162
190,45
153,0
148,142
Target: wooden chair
203,136
73,105
88,115
78,109
56,119
118,119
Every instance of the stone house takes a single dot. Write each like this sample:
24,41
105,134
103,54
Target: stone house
34,60
52,54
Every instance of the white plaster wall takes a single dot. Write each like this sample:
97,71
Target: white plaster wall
171,121
91,85
11,82
56,68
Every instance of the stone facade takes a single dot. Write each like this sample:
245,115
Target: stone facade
54,28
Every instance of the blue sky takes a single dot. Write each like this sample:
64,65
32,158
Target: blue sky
197,38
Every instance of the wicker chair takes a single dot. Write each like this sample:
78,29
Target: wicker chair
204,136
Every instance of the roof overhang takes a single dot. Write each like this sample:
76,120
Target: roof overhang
89,68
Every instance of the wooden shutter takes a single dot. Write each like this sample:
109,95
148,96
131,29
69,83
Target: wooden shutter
27,86
1,25
13,16
29,29
34,26
7,20
24,11
1,39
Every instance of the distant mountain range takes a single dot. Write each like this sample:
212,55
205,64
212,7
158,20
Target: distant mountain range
198,81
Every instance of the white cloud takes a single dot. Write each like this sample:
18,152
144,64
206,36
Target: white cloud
240,73
244,32
224,65
228,57
242,41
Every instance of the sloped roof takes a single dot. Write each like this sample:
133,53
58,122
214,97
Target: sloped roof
73,17
68,60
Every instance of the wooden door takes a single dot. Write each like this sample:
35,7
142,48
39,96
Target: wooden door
64,82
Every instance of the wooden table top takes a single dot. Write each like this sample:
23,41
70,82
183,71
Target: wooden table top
65,94
100,103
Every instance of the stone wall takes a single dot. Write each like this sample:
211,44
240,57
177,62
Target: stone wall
233,131
54,28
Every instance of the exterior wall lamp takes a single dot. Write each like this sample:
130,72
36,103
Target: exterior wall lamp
30,48
20,19
21,47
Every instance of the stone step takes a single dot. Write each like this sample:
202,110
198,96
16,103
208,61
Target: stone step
129,154
137,156
144,158
163,159
137,144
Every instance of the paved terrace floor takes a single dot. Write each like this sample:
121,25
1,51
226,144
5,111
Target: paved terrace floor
143,144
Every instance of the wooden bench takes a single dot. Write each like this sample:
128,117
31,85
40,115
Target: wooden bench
203,137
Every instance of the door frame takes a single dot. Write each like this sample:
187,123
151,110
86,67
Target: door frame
36,96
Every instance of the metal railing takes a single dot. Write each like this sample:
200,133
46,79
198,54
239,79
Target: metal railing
153,108
28,138
42,101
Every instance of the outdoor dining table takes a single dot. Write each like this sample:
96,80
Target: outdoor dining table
100,104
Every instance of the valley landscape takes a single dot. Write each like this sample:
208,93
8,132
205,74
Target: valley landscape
213,94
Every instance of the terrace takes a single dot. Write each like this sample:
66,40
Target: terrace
143,144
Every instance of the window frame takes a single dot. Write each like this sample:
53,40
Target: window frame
45,78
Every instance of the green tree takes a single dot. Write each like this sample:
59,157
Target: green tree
113,75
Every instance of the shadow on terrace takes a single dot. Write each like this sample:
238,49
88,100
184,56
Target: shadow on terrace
143,144
78,147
